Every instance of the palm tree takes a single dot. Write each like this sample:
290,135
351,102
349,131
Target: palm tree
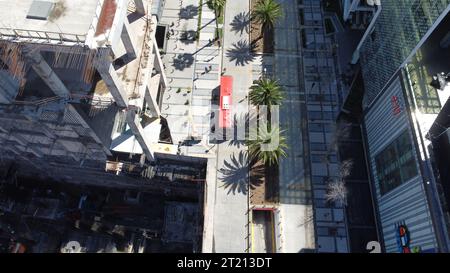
266,92
267,12
217,6
269,146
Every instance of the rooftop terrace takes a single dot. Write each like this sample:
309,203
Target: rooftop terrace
39,19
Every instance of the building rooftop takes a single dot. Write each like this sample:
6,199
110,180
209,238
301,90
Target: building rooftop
35,18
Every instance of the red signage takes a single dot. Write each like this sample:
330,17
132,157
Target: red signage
396,108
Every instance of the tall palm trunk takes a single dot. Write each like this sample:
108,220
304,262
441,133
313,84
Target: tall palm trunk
263,31
218,13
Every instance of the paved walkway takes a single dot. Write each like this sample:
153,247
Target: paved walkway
193,73
306,68
231,229
296,226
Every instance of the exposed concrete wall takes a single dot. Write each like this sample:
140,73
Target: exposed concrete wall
46,73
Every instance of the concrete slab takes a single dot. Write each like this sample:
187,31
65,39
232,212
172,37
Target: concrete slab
76,17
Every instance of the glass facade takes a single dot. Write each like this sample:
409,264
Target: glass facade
426,96
398,30
396,163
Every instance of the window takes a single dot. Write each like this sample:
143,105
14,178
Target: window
427,97
396,163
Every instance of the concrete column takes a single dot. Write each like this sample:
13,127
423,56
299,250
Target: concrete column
151,93
159,64
140,8
47,74
127,41
136,127
112,81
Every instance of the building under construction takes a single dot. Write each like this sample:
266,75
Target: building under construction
80,81
81,85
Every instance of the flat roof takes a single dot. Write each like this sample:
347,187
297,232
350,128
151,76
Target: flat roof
72,17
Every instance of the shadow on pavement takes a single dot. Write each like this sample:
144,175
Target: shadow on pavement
235,174
183,61
188,36
241,23
241,53
188,12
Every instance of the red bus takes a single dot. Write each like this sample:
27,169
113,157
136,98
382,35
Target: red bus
226,94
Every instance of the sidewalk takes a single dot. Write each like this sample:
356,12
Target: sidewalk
305,66
295,225
231,230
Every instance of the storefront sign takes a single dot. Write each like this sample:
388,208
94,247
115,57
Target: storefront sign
396,108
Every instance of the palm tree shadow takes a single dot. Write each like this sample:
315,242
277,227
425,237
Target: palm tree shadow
188,36
188,12
236,174
241,23
183,61
241,53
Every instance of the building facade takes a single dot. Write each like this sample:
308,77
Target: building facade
399,55
398,32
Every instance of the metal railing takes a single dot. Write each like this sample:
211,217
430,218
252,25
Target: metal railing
41,35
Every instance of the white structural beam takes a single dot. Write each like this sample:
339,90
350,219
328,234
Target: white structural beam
127,40
134,122
151,93
159,66
112,81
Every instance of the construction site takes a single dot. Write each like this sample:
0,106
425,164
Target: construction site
87,161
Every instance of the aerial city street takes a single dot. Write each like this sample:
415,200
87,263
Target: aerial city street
224,126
